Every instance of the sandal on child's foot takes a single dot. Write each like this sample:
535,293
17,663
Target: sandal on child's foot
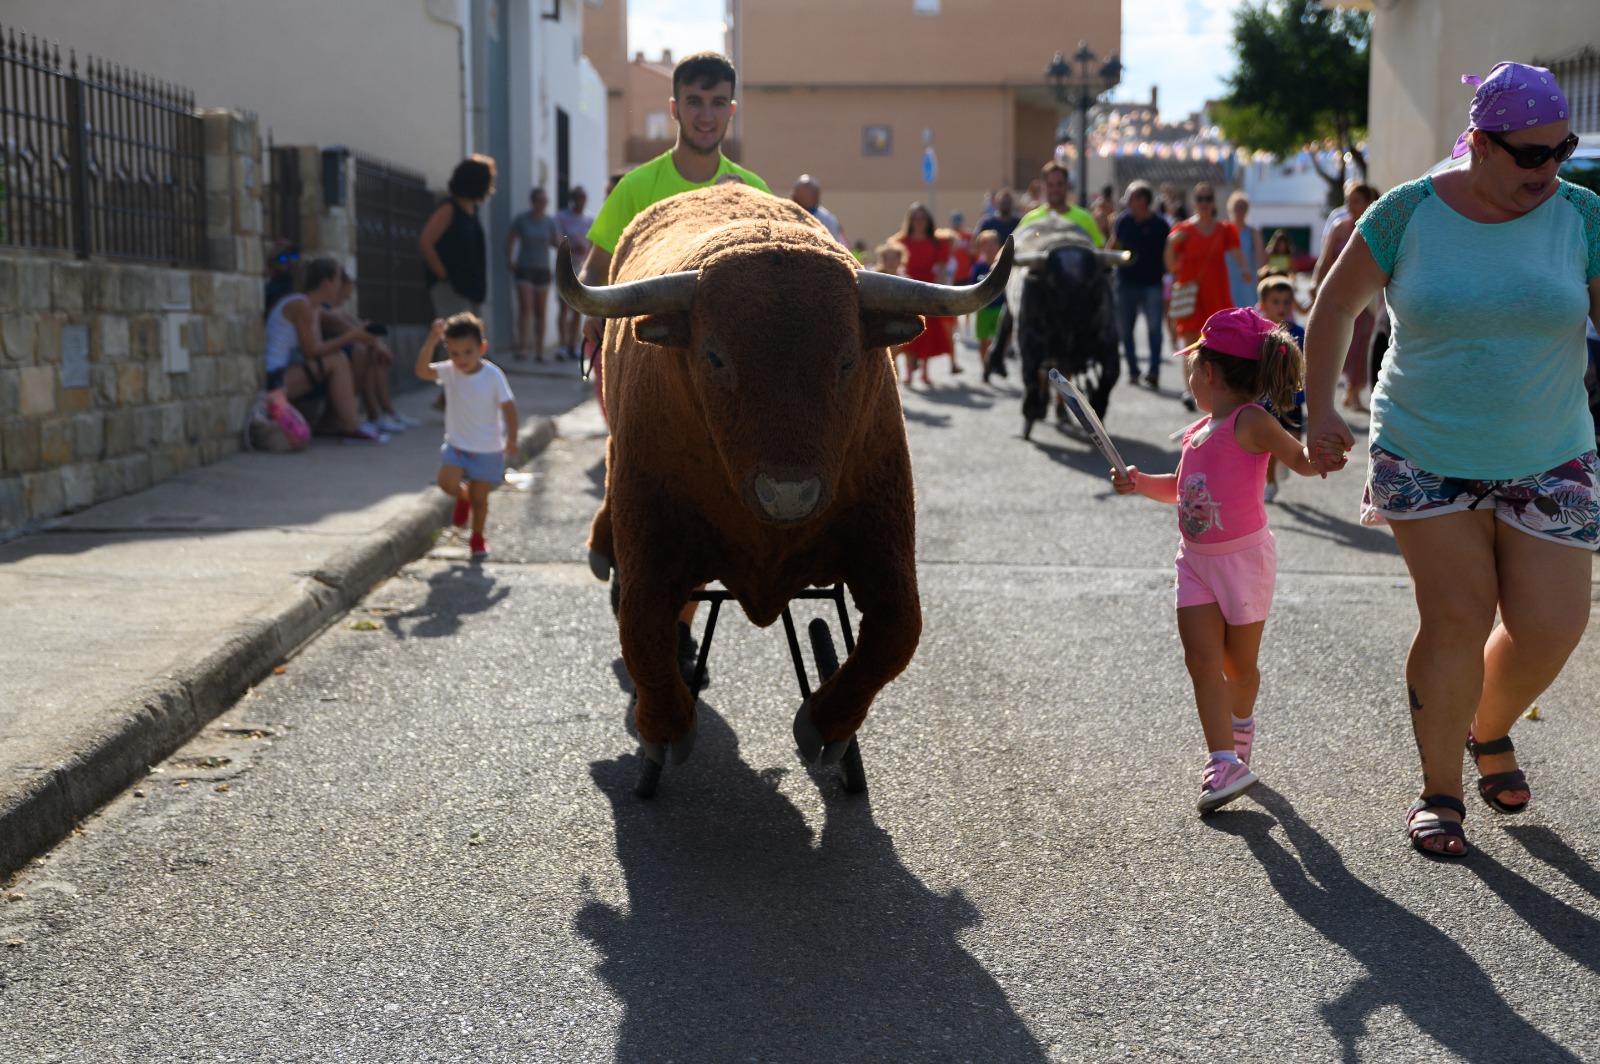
1439,832
1492,786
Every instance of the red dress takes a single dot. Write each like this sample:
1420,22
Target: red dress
1204,257
924,256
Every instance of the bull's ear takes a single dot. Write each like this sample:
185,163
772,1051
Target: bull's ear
663,330
882,329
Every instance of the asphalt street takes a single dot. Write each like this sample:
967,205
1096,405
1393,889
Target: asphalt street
420,842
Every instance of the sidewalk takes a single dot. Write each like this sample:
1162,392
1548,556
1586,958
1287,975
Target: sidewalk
130,625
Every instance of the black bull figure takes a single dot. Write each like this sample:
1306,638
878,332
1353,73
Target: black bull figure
1061,300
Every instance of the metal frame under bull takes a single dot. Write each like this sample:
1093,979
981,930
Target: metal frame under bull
823,653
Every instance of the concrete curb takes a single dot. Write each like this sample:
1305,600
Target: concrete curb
167,711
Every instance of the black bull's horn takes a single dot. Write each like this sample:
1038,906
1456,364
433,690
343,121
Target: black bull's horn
674,292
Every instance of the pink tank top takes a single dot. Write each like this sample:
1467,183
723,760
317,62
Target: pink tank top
1220,484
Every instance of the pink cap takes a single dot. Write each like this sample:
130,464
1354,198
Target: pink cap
1237,331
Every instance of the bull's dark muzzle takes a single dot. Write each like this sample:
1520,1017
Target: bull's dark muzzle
787,500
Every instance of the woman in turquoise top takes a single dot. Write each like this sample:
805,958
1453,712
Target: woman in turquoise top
1482,453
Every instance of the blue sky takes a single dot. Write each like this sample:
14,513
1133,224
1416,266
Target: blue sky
1180,45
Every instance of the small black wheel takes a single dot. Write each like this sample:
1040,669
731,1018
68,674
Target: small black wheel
822,650
650,777
855,774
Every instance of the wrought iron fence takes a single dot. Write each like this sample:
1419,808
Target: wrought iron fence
104,161
280,194
1579,77
392,205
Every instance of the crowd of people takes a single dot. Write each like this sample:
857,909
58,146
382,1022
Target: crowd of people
1481,446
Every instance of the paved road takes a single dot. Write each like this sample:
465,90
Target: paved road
420,842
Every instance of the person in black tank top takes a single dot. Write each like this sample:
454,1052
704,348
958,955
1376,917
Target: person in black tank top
453,245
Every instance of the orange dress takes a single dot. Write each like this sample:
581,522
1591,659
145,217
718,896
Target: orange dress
1204,257
924,256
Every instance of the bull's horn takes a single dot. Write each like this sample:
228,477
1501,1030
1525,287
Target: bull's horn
666,294
902,295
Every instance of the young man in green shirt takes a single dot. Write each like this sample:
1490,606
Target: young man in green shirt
702,104
1057,188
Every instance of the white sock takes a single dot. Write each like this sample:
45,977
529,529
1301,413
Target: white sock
1245,722
1225,755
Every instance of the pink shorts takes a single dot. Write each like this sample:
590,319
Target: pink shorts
1237,574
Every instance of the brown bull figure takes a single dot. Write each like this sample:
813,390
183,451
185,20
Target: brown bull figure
756,439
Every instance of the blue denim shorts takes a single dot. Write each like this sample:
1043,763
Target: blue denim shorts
488,466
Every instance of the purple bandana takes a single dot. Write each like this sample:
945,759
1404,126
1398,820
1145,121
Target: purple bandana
1513,96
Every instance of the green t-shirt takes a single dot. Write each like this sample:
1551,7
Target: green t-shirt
651,183
1074,214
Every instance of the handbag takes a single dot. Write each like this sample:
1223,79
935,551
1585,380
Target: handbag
1184,297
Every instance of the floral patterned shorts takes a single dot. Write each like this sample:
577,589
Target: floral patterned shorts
1561,505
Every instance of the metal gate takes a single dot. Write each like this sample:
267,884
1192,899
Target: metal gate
392,205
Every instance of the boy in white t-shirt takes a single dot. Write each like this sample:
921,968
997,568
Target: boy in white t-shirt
480,420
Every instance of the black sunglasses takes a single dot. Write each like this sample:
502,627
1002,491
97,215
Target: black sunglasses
1533,156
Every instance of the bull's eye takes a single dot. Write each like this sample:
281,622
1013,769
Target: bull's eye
711,357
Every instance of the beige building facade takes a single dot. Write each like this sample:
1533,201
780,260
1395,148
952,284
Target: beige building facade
1420,49
650,128
853,92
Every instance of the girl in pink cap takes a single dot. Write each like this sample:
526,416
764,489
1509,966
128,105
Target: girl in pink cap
1227,560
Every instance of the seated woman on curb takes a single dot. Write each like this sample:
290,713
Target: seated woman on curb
301,362
370,359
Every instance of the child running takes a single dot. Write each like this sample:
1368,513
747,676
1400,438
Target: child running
1227,560
480,420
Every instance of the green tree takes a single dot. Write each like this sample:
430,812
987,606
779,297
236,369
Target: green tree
1301,81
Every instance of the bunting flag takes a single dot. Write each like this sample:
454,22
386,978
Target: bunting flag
1138,131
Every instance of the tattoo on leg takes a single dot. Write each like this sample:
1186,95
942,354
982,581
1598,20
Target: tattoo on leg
1416,707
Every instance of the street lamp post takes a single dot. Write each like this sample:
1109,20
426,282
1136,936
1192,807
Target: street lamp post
1082,87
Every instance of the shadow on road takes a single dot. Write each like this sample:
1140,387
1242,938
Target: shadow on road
1572,931
937,421
745,937
1322,525
959,395
453,593
1081,455
1410,964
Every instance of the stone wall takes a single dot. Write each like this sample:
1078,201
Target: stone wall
116,375
91,405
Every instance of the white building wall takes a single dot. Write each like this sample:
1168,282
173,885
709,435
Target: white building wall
1285,194
590,135
1420,49
380,76
550,72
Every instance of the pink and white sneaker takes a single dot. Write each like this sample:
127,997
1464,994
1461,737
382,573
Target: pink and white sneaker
1244,738
1222,783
